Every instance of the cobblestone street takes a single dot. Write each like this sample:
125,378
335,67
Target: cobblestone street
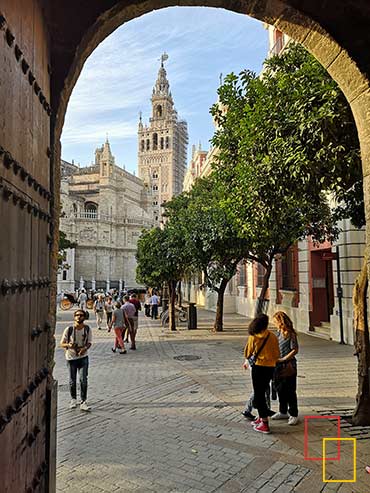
162,422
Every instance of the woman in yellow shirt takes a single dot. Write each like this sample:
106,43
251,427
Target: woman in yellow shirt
263,345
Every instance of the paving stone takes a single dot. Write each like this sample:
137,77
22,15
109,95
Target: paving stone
162,425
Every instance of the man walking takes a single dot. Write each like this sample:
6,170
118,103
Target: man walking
154,301
130,311
76,341
99,310
137,306
82,300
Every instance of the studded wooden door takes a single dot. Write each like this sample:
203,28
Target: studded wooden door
25,239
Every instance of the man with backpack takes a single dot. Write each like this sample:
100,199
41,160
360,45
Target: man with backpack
76,341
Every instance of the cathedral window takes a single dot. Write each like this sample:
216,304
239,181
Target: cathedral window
162,143
147,144
155,187
155,202
155,174
167,142
159,110
142,145
155,141
91,210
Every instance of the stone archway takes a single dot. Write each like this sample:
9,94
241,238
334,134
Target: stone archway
43,48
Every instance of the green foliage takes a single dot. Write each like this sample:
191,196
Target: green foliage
287,138
64,243
160,256
213,244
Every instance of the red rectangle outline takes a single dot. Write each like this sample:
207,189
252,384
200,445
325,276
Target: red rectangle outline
306,418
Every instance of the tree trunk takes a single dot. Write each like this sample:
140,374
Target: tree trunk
265,285
171,306
218,325
361,415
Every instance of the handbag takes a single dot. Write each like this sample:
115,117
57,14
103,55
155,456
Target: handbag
253,357
285,370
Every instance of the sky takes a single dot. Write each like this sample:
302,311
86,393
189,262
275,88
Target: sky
117,79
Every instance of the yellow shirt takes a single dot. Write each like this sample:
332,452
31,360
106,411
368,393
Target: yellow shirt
270,352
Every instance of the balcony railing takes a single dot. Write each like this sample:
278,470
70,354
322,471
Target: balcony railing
98,216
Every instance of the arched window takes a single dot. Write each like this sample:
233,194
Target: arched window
155,187
167,142
155,141
74,208
155,174
91,210
155,202
162,143
159,111
147,144
142,145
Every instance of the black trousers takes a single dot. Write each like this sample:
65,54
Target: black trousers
287,392
261,377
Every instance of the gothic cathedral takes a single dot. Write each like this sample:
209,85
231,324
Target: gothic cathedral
162,154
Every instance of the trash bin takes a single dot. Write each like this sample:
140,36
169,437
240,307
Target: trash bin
192,316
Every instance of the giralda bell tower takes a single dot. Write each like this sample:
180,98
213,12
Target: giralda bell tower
162,154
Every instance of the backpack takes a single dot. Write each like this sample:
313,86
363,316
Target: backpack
85,335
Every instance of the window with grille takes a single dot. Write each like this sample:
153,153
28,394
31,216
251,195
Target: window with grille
289,269
260,275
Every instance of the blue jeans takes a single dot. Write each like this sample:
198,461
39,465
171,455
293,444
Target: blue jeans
82,365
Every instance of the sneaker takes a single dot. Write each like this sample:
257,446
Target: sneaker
249,415
280,416
123,352
256,421
84,406
293,420
133,348
73,404
113,349
262,427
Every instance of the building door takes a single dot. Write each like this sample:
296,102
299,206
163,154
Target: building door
322,287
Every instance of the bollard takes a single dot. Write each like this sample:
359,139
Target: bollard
192,316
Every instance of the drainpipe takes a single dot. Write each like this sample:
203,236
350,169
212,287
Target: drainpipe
340,296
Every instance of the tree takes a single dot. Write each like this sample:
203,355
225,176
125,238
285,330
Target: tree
162,258
211,240
64,244
286,140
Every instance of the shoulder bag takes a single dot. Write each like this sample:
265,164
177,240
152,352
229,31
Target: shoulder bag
253,358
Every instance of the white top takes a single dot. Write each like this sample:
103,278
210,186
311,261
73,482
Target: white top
77,337
154,300
109,307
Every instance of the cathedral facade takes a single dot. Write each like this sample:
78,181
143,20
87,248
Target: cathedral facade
162,146
104,209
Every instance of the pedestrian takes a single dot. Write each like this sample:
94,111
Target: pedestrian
76,341
147,304
134,300
261,353
82,300
154,301
249,405
108,308
99,310
130,311
285,377
118,323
